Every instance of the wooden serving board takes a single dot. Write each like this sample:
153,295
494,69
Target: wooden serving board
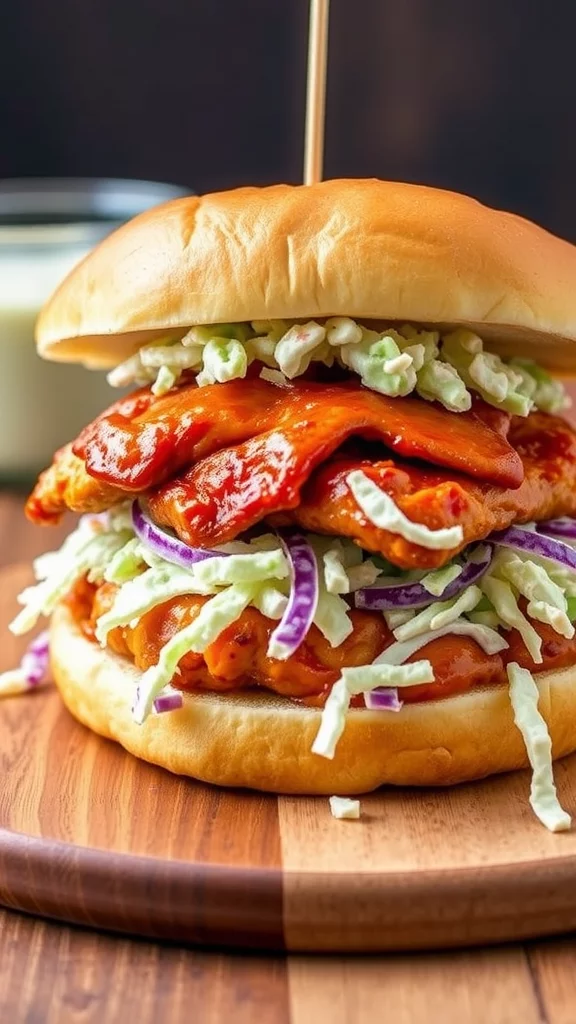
89,834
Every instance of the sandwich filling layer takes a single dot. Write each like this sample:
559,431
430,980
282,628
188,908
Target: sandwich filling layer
360,521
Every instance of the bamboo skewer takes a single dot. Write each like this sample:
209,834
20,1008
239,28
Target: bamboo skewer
316,91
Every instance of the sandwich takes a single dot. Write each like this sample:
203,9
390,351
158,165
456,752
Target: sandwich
327,534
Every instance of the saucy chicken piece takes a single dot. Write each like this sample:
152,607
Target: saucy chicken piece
227,493
142,440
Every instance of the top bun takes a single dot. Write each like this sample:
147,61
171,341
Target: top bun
372,250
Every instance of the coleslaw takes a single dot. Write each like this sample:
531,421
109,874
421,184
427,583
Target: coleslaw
271,572
446,368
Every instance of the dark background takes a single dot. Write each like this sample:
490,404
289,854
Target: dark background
476,96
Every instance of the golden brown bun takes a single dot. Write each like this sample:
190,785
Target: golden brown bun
263,742
363,248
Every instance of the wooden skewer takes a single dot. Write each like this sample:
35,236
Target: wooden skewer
316,91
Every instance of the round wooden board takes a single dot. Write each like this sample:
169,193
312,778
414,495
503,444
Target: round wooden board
89,834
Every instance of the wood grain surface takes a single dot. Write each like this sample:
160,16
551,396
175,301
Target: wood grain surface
89,834
57,974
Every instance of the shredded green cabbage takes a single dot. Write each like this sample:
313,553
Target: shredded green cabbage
524,697
440,614
397,617
246,568
393,362
331,616
436,582
219,612
488,639
546,599
295,351
87,551
360,680
271,602
165,381
335,575
126,563
144,592
362,575
505,604
383,512
342,807
13,682
222,359
380,363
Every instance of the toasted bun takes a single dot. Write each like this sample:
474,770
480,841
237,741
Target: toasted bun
263,742
367,249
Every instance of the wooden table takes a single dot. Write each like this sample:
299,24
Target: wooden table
53,974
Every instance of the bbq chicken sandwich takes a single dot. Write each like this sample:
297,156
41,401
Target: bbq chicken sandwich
326,539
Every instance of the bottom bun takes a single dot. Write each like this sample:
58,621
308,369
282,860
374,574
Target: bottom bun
262,741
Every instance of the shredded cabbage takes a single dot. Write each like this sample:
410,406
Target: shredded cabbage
144,592
546,600
439,382
362,575
248,568
359,680
159,363
255,572
393,362
271,602
486,618
331,616
380,363
486,373
88,551
273,376
398,616
214,616
440,614
342,807
126,563
335,575
13,682
547,394
383,512
295,351
341,330
505,604
524,697
488,639
165,381
436,582
223,359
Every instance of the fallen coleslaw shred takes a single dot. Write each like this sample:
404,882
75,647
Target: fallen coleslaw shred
543,798
343,808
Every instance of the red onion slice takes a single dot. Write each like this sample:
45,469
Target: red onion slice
565,527
301,607
168,700
383,698
166,545
414,595
535,544
35,661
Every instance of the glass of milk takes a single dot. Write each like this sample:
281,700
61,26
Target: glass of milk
46,227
